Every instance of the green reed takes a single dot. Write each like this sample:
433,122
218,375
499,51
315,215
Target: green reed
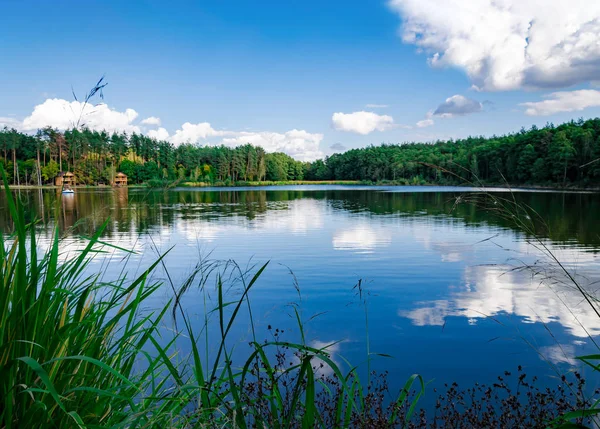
77,351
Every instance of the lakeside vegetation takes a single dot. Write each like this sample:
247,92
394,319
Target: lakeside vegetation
554,156
78,351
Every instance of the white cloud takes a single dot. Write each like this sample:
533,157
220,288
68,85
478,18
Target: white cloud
377,106
361,122
425,123
152,120
458,105
507,44
299,144
63,114
193,133
159,134
10,123
564,101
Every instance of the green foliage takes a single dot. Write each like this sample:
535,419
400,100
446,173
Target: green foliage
109,174
89,172
317,170
50,171
525,165
561,156
131,169
149,170
282,167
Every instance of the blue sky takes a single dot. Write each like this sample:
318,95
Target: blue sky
257,70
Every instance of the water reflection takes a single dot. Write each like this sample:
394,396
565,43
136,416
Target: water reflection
559,354
490,291
445,269
296,217
138,211
362,239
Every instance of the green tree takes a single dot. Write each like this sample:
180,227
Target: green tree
50,171
526,162
561,154
130,169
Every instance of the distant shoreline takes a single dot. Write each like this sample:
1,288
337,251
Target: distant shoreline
315,183
384,183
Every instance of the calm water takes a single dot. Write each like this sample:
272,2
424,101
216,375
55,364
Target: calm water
443,296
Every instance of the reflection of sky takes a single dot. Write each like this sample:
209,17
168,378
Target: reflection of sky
488,291
362,238
295,218
437,288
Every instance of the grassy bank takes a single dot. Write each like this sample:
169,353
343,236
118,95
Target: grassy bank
273,183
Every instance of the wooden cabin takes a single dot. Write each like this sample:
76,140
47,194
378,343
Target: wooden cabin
120,180
65,179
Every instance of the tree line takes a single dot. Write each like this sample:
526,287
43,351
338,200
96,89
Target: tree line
553,155
96,156
567,154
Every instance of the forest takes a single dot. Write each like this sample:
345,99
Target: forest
563,155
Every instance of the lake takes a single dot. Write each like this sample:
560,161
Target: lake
441,277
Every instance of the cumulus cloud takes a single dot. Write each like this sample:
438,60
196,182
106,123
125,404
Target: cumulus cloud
193,133
564,101
361,122
152,120
63,114
377,106
299,144
457,105
507,44
425,123
159,134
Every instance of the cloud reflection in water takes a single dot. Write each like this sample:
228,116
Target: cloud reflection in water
490,291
